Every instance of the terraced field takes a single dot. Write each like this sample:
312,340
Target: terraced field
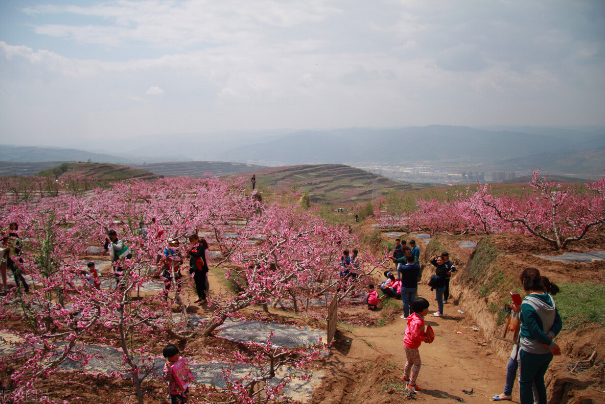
198,168
330,182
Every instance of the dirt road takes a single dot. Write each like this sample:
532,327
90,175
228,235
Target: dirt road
369,368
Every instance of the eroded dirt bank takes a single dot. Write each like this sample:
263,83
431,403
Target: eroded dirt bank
368,362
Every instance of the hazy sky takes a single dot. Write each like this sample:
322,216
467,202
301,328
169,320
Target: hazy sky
105,69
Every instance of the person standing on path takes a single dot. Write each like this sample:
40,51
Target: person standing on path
13,256
439,286
206,248
540,324
409,275
415,252
253,181
397,251
198,269
513,363
415,334
450,268
118,251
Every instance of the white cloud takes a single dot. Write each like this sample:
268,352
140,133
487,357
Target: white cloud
303,64
178,25
154,90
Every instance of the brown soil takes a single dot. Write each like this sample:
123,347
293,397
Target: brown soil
367,363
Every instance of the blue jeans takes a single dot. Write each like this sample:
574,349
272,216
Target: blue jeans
439,295
511,375
407,296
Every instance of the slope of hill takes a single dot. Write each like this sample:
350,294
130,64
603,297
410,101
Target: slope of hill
334,183
100,171
27,154
198,168
22,169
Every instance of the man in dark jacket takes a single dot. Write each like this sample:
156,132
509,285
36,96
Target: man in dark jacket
409,275
398,251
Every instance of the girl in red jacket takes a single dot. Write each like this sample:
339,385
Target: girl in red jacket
372,299
414,335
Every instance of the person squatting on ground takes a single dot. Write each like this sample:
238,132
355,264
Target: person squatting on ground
414,336
178,375
438,282
198,267
408,275
389,286
372,299
513,364
118,251
450,269
540,324
92,276
12,254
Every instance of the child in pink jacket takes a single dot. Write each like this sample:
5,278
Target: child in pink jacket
414,336
178,375
372,299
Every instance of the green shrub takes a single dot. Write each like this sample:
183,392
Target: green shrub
367,210
485,254
389,245
501,317
374,239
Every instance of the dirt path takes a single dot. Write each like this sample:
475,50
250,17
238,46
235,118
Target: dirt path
454,362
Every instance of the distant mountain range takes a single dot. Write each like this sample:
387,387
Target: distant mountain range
564,151
398,146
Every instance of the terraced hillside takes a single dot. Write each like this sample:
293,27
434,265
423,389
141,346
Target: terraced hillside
198,168
10,168
100,171
330,182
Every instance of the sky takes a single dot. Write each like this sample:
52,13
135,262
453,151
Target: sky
108,70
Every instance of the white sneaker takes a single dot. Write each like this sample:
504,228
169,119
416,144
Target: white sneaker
403,316
437,314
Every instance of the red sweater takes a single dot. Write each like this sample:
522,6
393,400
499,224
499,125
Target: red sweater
373,297
414,333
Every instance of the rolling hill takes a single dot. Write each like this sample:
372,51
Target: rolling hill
30,154
198,168
100,171
333,183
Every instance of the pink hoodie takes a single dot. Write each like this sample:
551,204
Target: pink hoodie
373,297
414,333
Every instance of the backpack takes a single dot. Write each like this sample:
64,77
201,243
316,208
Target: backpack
434,282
